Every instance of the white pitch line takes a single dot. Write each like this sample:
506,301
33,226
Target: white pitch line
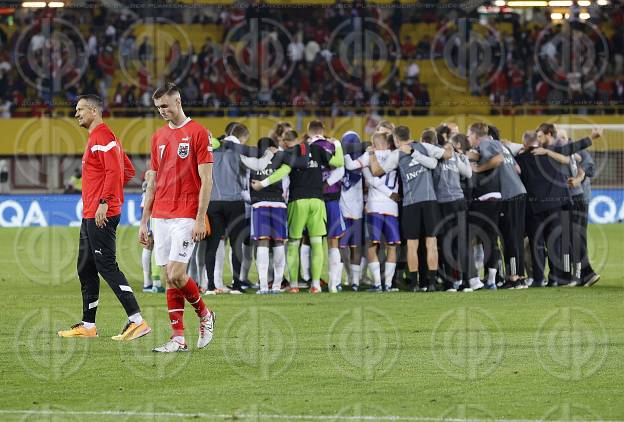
117,413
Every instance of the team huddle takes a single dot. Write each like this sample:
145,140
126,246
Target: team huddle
420,214
429,204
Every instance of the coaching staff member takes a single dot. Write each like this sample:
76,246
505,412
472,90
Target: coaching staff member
105,170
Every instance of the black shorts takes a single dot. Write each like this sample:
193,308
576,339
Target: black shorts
420,219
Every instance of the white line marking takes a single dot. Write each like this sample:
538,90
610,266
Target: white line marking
256,416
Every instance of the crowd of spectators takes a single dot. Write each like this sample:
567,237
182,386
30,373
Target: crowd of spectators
304,59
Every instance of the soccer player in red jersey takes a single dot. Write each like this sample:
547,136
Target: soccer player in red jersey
105,170
177,196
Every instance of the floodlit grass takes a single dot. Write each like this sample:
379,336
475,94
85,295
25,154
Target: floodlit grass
554,354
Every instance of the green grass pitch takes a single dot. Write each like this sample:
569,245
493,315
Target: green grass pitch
534,354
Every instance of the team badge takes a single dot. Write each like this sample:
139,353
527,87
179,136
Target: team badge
183,149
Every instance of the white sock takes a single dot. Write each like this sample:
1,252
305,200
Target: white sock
246,262
146,263
478,256
373,267
279,263
262,263
88,325
156,280
335,267
356,272
316,284
200,262
179,339
304,258
136,318
389,273
218,269
491,276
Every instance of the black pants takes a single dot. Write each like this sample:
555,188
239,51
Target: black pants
452,240
512,227
97,255
545,238
227,218
483,226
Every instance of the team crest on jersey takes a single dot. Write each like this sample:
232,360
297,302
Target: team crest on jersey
183,149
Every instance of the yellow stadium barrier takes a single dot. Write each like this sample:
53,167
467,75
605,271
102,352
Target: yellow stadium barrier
63,136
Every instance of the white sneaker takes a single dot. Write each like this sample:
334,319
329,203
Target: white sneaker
333,289
171,346
476,284
206,327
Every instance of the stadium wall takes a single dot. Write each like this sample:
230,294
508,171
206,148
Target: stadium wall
606,206
62,136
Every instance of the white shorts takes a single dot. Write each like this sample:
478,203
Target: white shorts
173,239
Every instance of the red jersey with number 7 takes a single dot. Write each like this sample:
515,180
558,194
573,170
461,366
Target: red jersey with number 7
176,153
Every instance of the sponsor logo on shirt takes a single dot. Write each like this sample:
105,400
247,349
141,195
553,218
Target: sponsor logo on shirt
265,172
448,165
414,174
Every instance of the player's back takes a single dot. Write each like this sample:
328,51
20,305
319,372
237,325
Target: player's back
228,175
378,201
417,179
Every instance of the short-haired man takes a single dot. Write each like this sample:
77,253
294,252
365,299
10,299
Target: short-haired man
177,196
105,170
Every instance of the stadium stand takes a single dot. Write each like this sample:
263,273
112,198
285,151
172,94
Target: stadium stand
411,60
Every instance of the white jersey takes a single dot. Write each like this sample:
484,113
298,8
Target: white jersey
352,195
380,188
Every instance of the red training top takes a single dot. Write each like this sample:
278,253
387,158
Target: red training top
105,170
176,153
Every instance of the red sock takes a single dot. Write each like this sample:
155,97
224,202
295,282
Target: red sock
191,293
175,304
